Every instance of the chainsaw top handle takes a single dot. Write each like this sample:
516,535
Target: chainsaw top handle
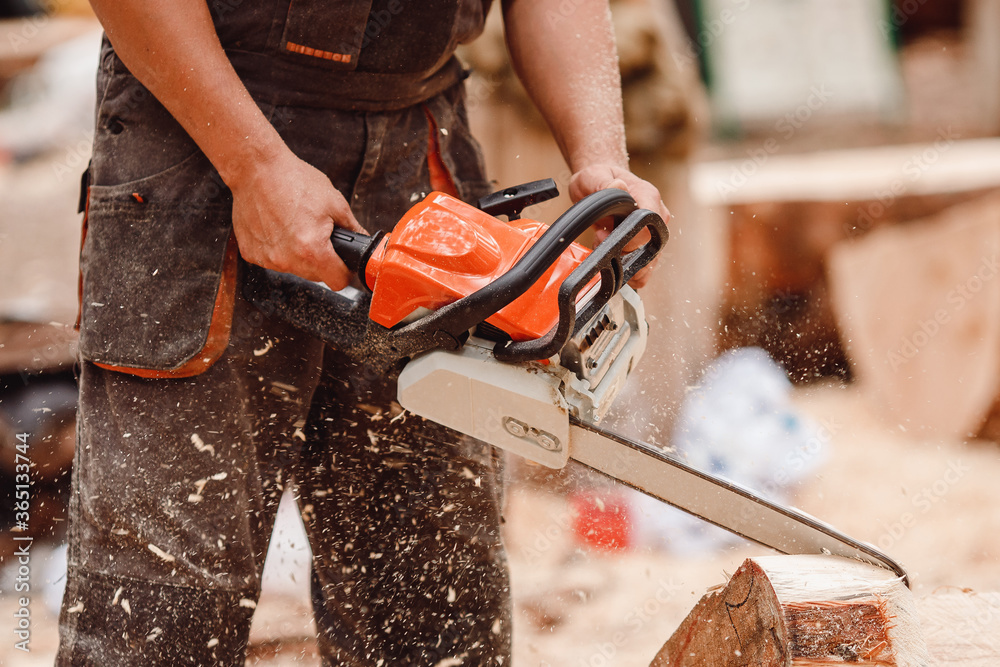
609,259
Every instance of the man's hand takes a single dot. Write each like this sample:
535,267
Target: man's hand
284,213
283,209
601,176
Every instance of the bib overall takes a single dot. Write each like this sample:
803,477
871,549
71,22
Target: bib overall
196,411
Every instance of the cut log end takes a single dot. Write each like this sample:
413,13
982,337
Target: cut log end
801,611
855,632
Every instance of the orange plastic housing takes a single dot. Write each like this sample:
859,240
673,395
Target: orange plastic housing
444,249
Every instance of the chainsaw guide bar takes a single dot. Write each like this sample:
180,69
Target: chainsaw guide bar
718,501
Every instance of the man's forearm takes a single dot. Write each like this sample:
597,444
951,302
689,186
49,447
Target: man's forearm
171,46
565,55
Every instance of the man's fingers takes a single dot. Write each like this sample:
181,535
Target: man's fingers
334,272
601,177
640,279
645,194
616,183
346,220
340,212
648,197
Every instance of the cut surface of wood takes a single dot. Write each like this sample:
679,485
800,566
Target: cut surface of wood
801,611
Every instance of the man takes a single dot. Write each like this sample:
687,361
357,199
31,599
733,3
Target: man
251,128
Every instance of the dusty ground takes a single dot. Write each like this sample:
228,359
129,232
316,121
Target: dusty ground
930,504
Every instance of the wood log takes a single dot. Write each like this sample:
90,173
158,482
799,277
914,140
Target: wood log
809,611
283,632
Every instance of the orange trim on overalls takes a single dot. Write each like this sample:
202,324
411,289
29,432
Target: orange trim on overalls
218,331
441,179
318,53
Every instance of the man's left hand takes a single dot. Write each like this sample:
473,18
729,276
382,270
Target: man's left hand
602,176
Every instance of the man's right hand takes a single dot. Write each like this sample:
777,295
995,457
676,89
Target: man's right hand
284,212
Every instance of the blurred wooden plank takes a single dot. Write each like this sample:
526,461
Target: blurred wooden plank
919,307
283,632
30,347
24,40
883,174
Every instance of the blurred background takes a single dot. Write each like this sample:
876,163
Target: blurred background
825,321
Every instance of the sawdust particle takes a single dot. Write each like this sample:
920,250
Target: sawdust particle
161,553
200,445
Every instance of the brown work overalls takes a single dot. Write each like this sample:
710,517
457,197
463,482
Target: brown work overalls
196,411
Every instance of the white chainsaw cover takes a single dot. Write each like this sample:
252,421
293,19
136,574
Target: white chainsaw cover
470,391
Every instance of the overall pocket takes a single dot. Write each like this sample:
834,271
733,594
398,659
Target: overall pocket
158,272
328,34
374,36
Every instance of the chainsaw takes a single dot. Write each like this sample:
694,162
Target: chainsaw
514,333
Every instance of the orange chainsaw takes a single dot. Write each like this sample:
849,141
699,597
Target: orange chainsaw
513,333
